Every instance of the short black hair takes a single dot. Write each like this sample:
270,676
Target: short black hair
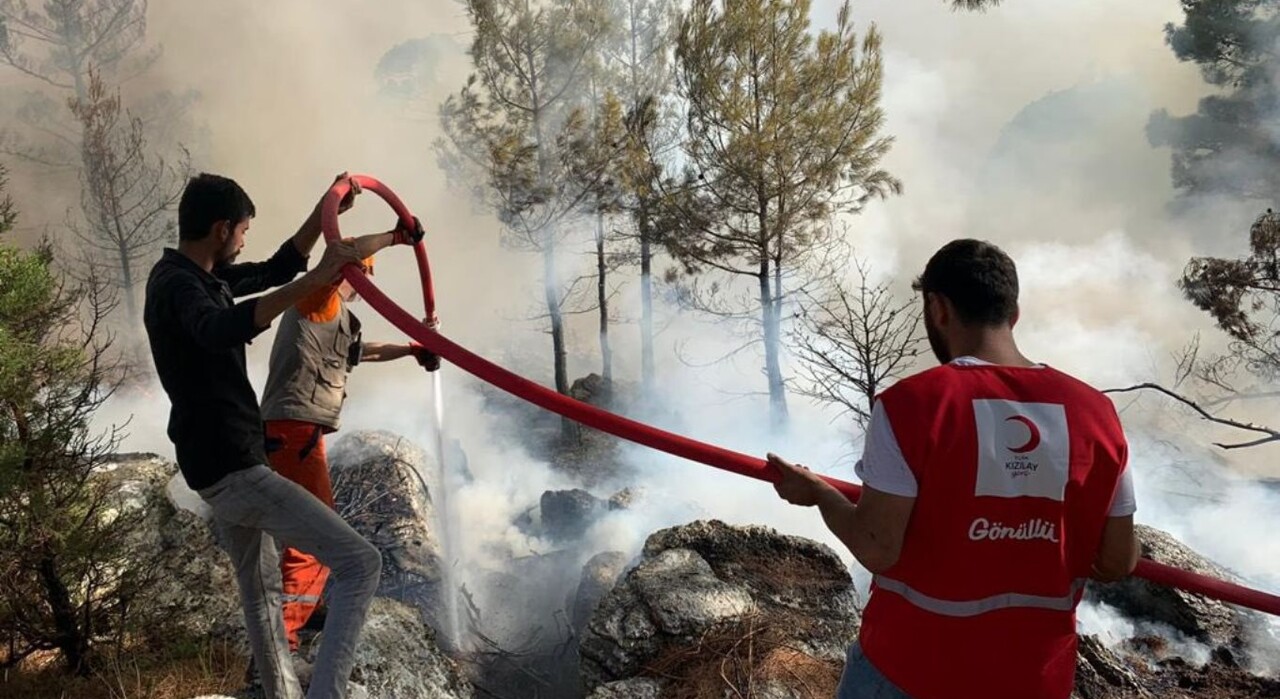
208,199
979,279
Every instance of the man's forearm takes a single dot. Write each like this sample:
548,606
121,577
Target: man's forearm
271,305
308,233
839,515
368,245
384,351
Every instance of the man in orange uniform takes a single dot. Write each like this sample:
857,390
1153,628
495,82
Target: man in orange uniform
318,344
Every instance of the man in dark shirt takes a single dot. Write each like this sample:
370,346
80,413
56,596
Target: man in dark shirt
198,334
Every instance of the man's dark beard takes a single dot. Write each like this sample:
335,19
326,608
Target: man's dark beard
228,257
936,343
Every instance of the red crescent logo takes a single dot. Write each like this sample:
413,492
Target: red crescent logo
1033,441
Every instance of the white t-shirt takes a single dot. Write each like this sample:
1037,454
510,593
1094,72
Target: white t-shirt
884,468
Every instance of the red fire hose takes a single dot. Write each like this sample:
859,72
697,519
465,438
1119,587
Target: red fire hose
425,333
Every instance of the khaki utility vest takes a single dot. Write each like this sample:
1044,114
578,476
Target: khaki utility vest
308,368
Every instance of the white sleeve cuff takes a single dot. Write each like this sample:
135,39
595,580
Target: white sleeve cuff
883,467
1123,503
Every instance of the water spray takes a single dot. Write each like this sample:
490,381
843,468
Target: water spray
450,549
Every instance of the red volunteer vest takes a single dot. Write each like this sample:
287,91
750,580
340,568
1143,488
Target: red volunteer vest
1016,469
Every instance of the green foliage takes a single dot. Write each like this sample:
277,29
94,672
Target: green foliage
413,69
637,56
504,127
67,572
1243,296
8,213
784,132
784,126
1228,146
514,132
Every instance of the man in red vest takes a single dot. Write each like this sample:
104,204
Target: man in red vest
994,487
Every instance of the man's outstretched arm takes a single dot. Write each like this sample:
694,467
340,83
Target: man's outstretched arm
309,232
873,530
288,261
384,352
369,245
217,328
1119,550
336,256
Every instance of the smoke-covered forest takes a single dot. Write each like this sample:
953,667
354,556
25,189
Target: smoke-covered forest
706,216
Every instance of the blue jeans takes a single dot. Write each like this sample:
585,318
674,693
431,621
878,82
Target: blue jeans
861,680
256,507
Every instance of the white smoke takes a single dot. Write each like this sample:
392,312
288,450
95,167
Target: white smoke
1113,629
1044,155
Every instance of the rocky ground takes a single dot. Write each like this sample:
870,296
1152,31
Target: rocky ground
715,610
704,610
376,486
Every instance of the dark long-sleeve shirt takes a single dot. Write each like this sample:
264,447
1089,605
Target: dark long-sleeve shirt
198,335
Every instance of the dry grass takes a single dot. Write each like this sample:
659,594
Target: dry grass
180,672
788,571
737,660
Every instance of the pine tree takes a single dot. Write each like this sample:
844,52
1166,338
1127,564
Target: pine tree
784,133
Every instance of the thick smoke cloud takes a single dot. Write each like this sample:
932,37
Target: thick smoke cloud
1023,125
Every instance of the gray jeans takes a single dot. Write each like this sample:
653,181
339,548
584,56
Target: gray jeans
256,508
861,680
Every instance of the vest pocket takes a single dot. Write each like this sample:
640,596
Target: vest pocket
331,383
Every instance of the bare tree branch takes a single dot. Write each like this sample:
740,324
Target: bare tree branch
127,193
854,341
1270,435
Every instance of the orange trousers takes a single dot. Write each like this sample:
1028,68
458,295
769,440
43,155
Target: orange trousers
296,451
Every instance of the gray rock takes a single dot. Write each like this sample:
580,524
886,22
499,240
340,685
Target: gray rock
684,595
194,581
699,589
790,574
598,577
1130,671
566,514
1101,674
1214,623
137,478
398,657
638,688
592,389
200,582
382,486
616,395
626,498
785,689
